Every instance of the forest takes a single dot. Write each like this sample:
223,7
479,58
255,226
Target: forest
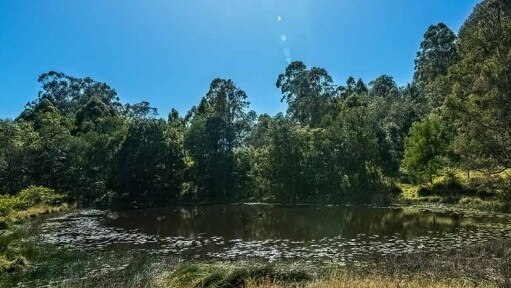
350,142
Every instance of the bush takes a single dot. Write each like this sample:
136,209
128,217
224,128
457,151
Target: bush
37,195
7,204
505,197
29,197
451,189
486,187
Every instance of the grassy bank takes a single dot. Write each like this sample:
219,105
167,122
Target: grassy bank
352,280
15,244
484,265
474,190
28,203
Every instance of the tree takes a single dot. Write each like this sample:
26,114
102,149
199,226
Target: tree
391,119
17,144
351,87
217,127
480,103
68,94
356,151
147,168
360,87
437,54
426,147
91,114
307,92
383,86
285,157
139,110
51,159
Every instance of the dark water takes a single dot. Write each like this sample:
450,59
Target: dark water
332,233
258,222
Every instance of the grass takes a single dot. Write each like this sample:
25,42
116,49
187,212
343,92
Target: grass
236,274
50,266
225,275
15,247
29,203
483,265
15,243
478,191
18,216
352,280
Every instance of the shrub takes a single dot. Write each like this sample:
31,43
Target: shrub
505,197
7,204
471,201
451,189
36,195
486,187
29,197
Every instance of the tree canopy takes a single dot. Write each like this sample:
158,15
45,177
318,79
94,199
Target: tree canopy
348,142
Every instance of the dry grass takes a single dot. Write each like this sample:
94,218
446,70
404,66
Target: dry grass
482,265
347,280
38,210
477,190
227,274
11,255
16,216
410,191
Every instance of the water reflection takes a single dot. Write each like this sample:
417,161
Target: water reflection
334,233
260,222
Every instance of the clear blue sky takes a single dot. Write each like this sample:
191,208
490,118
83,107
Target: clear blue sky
168,51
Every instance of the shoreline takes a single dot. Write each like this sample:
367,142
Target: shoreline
418,269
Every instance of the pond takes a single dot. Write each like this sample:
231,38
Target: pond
340,234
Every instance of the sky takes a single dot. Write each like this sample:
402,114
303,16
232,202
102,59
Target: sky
168,51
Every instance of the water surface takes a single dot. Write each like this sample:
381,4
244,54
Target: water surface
270,232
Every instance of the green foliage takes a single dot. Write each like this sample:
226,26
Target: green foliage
383,86
29,197
8,204
36,195
335,143
217,128
437,54
426,148
148,166
451,189
308,92
480,103
232,275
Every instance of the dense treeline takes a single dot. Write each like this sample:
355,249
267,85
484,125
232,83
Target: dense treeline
335,143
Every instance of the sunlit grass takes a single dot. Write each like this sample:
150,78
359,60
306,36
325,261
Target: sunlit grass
234,274
350,280
16,216
474,190
283,275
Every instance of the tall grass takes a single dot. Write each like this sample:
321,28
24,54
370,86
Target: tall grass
482,265
352,280
28,203
225,275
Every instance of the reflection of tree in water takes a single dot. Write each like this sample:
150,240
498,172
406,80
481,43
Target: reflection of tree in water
260,222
